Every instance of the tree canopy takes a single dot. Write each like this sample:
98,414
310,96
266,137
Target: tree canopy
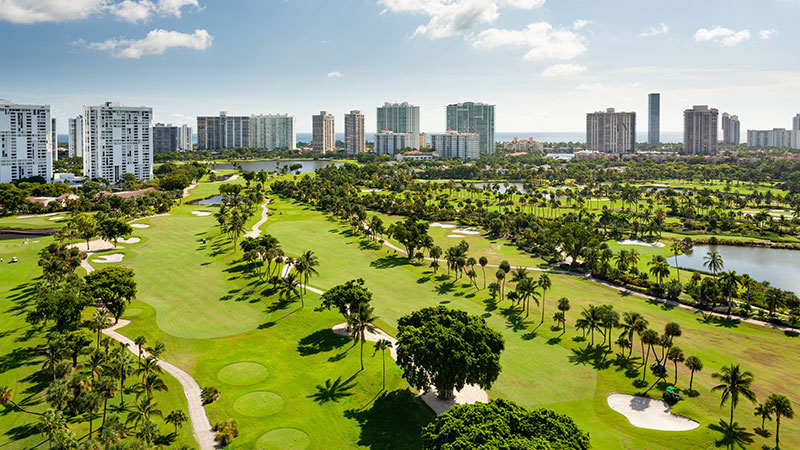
114,286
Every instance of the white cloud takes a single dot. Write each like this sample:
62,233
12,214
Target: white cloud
592,87
334,74
155,43
723,36
544,41
36,11
563,70
580,23
654,31
766,35
454,17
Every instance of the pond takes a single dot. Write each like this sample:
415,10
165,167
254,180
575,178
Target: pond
275,165
778,266
213,200
6,236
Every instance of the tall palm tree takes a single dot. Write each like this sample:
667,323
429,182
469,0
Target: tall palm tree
52,355
142,411
501,278
675,354
382,345
592,319
734,382
483,262
659,268
648,338
781,406
713,262
677,249
360,323
50,421
563,307
632,323
290,287
100,321
307,263
527,290
764,411
176,418
730,281
140,341
123,365
5,400
107,388
544,283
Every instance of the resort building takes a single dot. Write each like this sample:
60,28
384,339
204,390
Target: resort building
26,146
730,129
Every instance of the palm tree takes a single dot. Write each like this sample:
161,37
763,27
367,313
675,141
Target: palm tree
695,365
123,365
675,354
649,338
142,411
50,421
306,265
734,382
360,323
5,400
383,345
592,318
290,287
107,388
140,341
501,278
157,349
677,249
748,283
764,411
544,283
91,404
506,268
630,327
52,355
713,262
100,322
659,268
151,382
483,262
782,407
563,307
176,418
730,281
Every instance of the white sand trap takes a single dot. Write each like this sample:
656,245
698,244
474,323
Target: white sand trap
372,190
643,412
638,242
441,225
37,215
112,258
467,231
202,213
56,218
455,235
140,225
132,240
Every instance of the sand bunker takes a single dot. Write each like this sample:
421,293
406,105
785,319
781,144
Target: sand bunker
132,240
467,231
372,190
202,213
455,235
56,218
441,225
140,225
638,242
643,412
112,258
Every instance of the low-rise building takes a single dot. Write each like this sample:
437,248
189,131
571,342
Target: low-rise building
415,155
523,145
388,142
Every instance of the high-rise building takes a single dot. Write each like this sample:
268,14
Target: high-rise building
76,137
223,131
654,119
471,117
730,129
54,138
776,137
117,140
700,130
611,131
166,138
796,123
423,140
388,142
26,147
399,118
272,132
354,139
322,138
453,144
796,131
185,139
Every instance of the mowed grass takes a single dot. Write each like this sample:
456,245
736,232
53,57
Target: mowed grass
232,332
34,222
20,360
543,368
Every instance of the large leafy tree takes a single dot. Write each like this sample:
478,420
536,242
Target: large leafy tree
447,349
410,233
502,424
114,286
113,229
62,305
347,297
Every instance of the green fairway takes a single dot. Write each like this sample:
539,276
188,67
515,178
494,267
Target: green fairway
34,222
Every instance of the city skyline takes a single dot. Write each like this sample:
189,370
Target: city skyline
552,55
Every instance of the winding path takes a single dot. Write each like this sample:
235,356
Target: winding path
256,230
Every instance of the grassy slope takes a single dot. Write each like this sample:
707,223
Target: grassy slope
539,369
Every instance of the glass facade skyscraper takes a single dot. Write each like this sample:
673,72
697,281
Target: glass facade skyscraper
654,119
470,117
399,118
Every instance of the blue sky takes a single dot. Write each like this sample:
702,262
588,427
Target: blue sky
544,63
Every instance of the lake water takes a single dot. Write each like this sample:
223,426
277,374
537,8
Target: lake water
274,165
778,266
214,200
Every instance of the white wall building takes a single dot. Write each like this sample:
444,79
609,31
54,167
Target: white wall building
399,118
776,137
185,138
354,137
76,137
456,145
272,132
387,142
117,140
323,139
26,147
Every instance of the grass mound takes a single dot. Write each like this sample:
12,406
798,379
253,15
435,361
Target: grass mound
242,374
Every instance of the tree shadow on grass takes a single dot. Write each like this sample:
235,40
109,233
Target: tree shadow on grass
21,432
333,391
18,357
321,341
593,355
383,428
389,262
732,435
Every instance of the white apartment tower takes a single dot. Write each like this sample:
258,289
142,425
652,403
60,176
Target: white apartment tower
354,138
76,137
323,139
388,143
700,130
26,147
117,140
399,118
272,132
611,131
457,145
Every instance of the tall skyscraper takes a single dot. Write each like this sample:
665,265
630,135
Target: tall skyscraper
354,138
611,131
222,131
470,117
185,143
26,147
54,138
700,130
730,129
388,142
76,137
399,118
796,131
796,123
323,139
272,132
654,119
457,145
166,138
117,140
